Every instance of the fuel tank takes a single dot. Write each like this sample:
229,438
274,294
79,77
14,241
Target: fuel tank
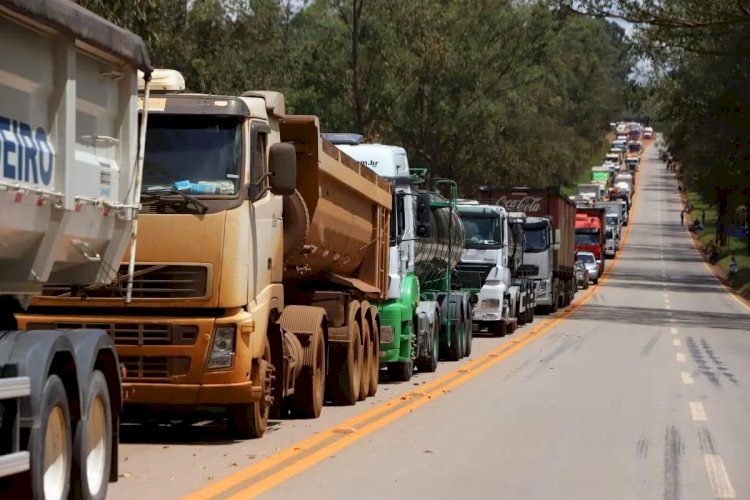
336,225
445,244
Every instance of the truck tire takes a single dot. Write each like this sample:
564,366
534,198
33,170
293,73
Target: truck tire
346,370
309,389
498,329
92,445
249,421
374,320
468,333
50,445
453,353
429,364
366,363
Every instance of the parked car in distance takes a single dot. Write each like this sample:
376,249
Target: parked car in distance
648,133
589,261
582,275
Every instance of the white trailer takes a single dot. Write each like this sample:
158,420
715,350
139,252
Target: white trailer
69,197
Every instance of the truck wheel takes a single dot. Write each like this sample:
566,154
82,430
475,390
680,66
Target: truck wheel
344,376
366,364
249,421
429,364
309,390
50,445
374,350
92,445
468,334
454,350
498,329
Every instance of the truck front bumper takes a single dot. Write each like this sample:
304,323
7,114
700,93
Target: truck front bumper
394,346
190,394
166,358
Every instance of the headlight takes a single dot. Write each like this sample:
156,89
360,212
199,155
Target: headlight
490,304
222,350
386,334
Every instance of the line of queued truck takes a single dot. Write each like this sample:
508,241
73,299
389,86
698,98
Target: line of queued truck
164,252
603,204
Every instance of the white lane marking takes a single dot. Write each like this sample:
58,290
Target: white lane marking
666,301
666,295
673,331
697,411
667,306
686,378
680,357
676,342
718,477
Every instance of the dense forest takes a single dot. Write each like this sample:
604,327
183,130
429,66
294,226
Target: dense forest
483,91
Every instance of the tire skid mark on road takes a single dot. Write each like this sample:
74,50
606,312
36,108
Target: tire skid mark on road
641,448
674,450
650,344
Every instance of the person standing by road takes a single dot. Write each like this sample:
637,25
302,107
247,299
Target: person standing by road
682,218
732,269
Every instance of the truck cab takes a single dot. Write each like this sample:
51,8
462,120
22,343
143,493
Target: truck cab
590,237
485,267
538,259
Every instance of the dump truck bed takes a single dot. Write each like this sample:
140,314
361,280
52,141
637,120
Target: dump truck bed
68,143
337,226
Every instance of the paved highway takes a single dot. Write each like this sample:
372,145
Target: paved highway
637,391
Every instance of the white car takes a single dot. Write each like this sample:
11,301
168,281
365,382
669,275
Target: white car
648,133
589,260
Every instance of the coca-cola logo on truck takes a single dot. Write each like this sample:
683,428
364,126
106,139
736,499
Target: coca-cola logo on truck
527,204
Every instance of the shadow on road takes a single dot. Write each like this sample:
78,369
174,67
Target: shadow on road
651,316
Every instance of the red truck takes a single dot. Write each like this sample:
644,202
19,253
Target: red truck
590,225
549,230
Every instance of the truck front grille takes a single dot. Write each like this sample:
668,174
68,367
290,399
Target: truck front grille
528,270
154,368
150,281
473,275
135,333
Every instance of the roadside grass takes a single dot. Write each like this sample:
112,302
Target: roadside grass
735,246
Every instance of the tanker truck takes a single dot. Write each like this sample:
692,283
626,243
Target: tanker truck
437,258
68,204
410,326
261,248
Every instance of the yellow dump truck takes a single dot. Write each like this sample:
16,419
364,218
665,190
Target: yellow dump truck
260,246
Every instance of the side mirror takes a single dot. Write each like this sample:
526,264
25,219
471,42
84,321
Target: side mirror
282,166
423,215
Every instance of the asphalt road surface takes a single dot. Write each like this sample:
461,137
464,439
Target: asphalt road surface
640,390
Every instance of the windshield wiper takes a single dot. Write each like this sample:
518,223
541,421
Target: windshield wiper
158,193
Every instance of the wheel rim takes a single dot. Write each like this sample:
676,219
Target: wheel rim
96,446
318,374
55,454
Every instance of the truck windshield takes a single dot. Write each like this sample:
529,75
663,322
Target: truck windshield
612,220
536,237
586,237
482,232
199,155
610,235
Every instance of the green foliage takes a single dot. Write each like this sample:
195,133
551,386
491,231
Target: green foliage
483,91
